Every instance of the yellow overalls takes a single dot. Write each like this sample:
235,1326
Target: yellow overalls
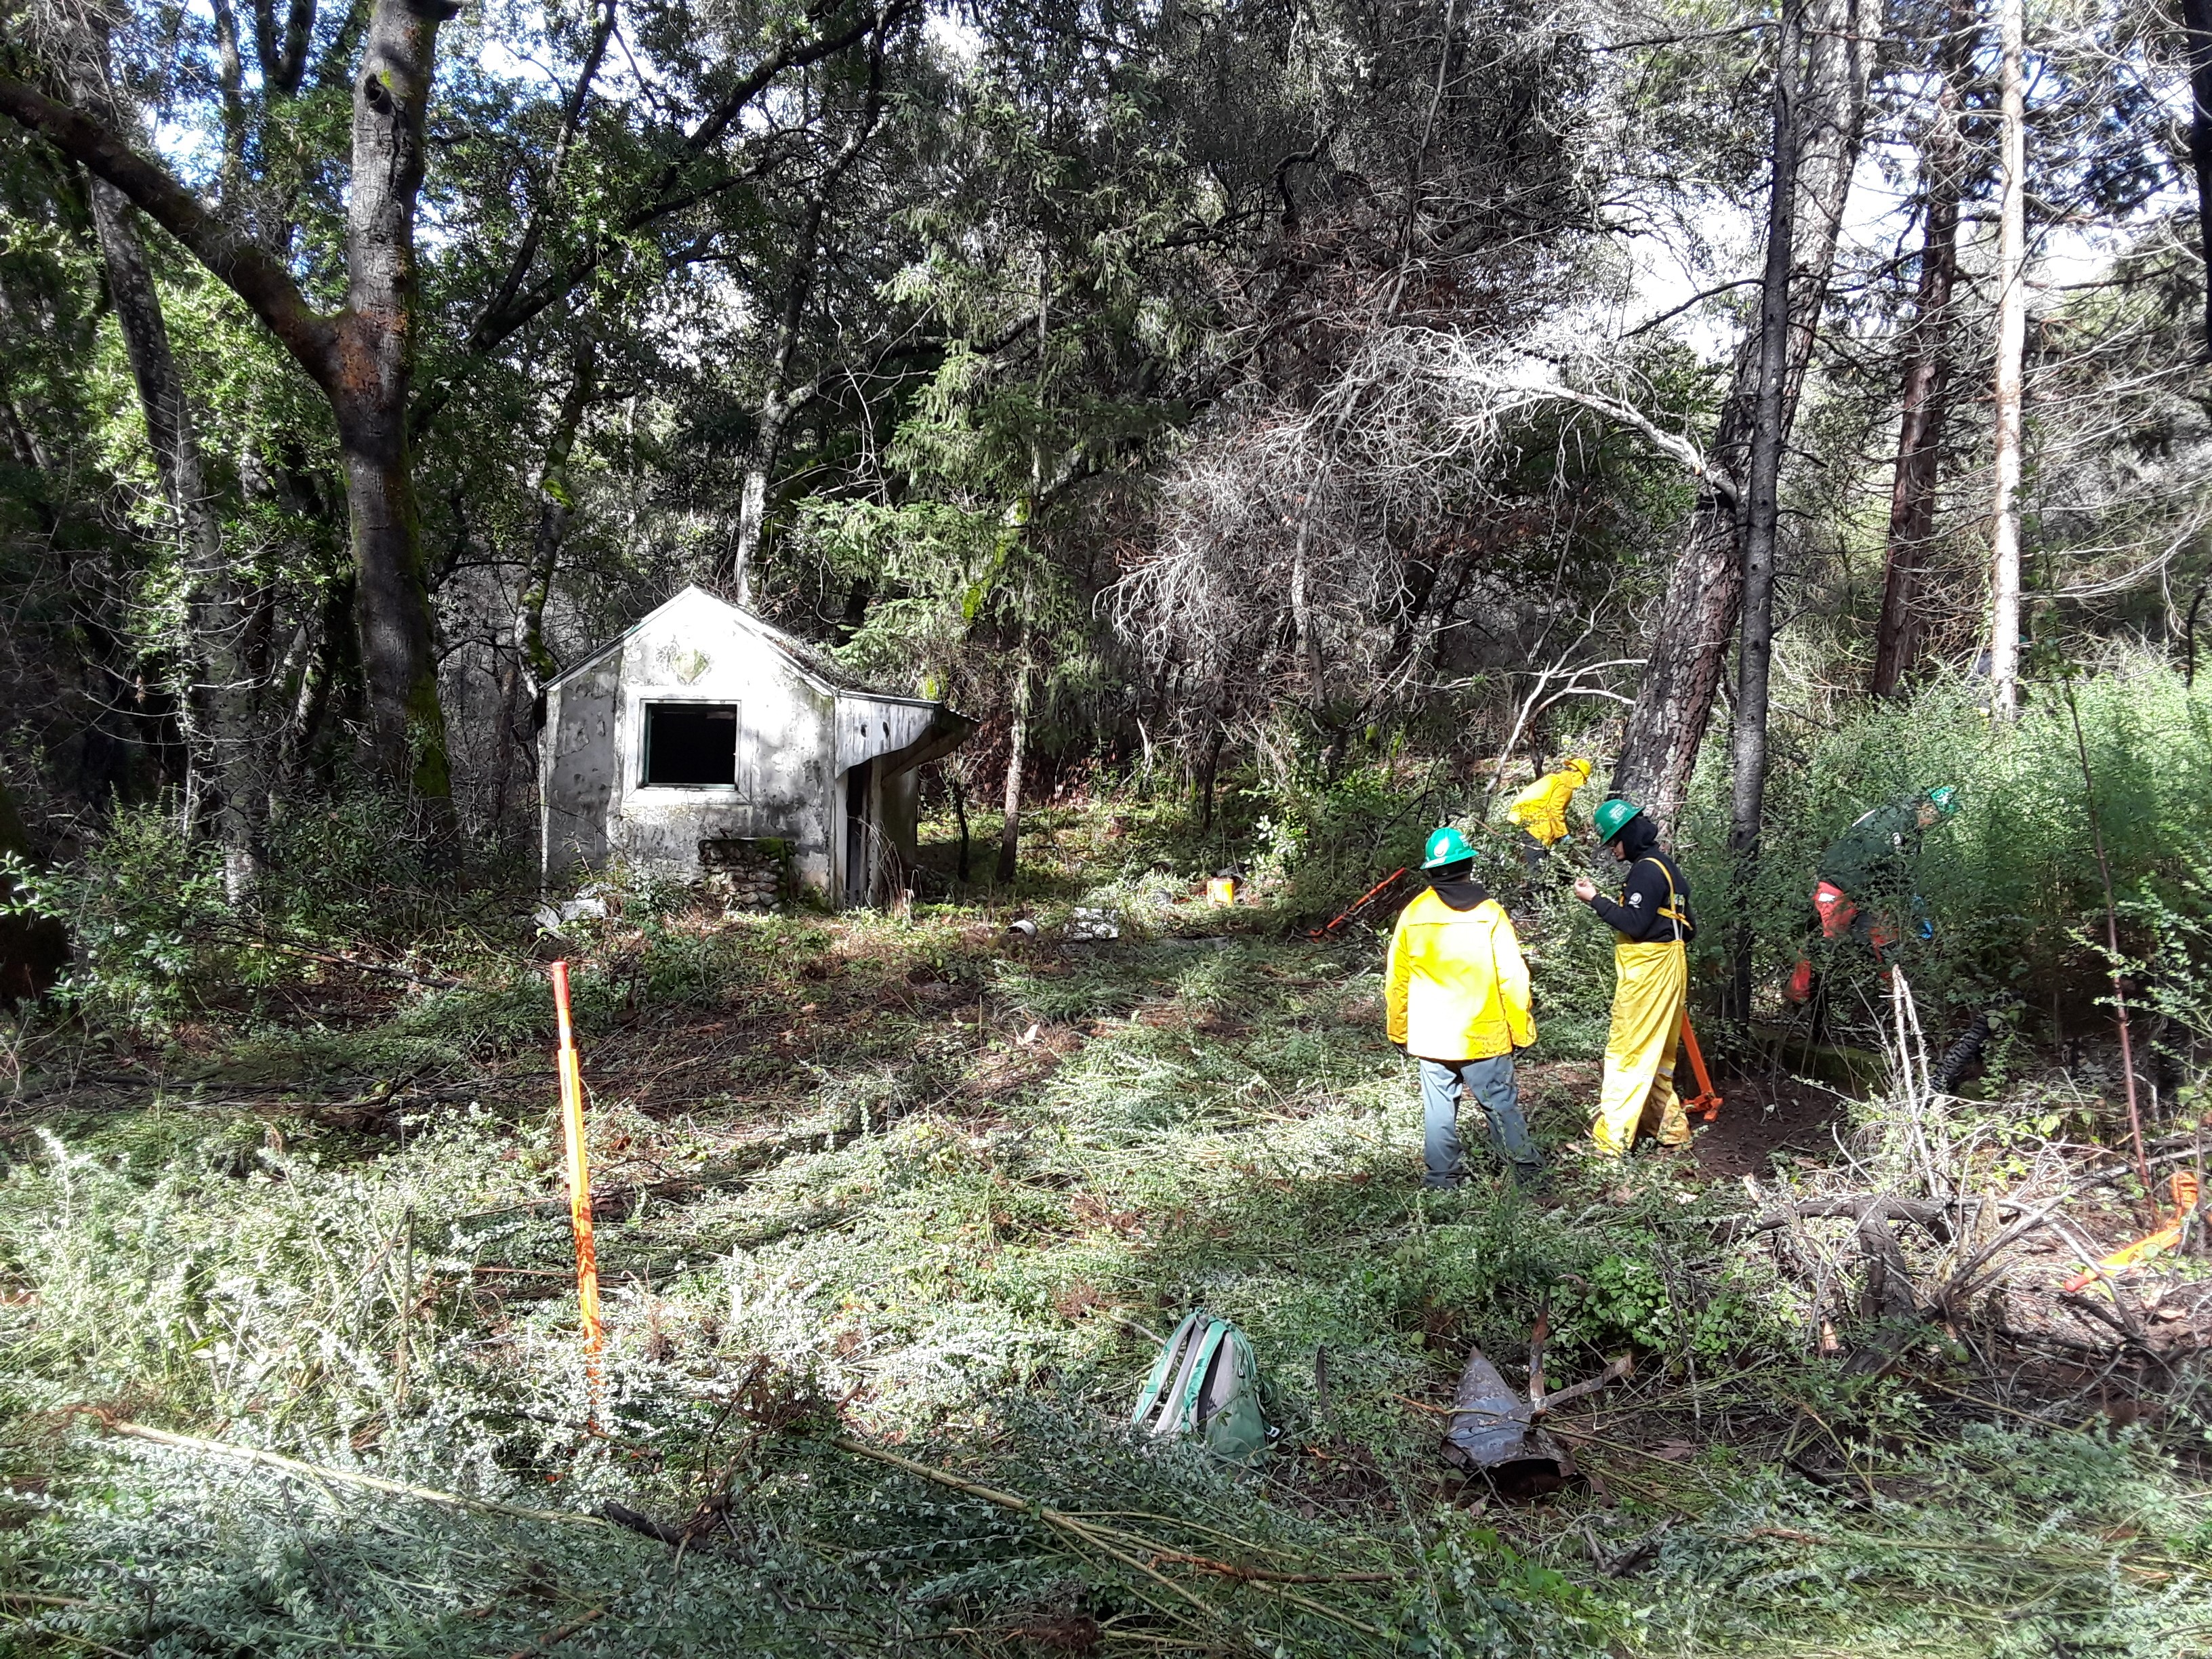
1651,988
1541,808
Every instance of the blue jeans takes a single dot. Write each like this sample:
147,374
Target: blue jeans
1492,1083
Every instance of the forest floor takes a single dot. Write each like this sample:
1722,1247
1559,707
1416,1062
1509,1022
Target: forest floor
920,1188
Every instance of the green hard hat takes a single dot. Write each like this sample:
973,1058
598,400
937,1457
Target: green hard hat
1944,798
1612,815
1446,846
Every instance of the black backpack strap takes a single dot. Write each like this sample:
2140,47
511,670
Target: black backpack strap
1676,909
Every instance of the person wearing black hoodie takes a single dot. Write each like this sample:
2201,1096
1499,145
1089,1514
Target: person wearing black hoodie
1651,968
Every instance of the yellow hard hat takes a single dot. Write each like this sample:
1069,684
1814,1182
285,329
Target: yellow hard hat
1582,764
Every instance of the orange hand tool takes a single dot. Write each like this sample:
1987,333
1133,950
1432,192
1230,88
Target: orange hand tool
1354,907
1707,1102
2183,1188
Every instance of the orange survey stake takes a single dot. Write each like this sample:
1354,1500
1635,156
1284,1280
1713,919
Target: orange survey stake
579,1181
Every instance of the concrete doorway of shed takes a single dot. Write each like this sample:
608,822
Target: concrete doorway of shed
860,872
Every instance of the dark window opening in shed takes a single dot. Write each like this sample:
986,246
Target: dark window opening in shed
691,744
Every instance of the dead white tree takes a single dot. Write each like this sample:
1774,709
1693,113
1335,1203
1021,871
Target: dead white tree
2012,342
1286,535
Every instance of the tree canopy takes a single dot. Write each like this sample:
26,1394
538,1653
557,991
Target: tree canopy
1242,377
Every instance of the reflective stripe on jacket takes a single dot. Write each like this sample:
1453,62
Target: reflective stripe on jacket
1457,986
1541,808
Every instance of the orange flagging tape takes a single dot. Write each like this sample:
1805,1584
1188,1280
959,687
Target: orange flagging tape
580,1184
2184,1187
1707,1103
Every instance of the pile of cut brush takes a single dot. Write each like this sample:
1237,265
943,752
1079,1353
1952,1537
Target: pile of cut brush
2028,1252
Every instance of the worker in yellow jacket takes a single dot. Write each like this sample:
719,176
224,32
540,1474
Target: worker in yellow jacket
1651,983
1457,995
1540,810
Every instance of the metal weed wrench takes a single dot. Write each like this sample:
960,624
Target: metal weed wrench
1707,1102
579,1185
1355,907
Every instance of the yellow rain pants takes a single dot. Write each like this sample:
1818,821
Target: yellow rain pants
1652,984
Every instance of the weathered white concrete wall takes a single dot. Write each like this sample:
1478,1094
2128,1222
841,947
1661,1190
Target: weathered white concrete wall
577,767
694,649
698,650
797,743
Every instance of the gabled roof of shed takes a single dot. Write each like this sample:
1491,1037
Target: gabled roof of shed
811,662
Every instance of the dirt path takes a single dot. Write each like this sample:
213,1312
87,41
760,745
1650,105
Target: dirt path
1763,1118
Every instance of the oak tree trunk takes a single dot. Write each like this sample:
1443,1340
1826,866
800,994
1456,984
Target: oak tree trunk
361,359
1926,394
391,597
369,390
218,706
2012,341
1704,591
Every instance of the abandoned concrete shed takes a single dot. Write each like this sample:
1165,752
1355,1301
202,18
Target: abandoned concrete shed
704,739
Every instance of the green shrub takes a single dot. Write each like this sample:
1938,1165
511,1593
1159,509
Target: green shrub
144,909
1631,1295
2011,883
1322,843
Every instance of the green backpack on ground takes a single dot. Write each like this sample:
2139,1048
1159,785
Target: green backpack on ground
1206,1382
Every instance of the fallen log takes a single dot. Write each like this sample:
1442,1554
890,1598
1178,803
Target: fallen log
1934,1219
1889,1293
2130,1332
707,1517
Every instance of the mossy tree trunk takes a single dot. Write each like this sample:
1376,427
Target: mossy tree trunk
219,707
1747,750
